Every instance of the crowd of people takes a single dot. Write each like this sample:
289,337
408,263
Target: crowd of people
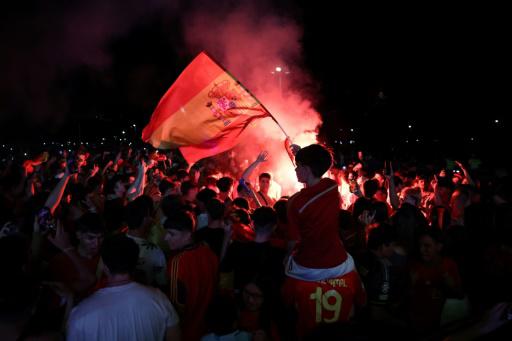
129,244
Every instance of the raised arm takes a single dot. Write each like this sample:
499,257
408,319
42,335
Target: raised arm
291,149
61,241
250,191
262,157
137,188
55,196
468,177
393,196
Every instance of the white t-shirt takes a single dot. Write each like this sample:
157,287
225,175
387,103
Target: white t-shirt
151,263
126,312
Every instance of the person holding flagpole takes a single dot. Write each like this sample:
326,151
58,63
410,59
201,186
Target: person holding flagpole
322,282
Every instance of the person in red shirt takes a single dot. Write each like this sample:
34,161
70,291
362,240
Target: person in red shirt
434,278
192,274
322,285
327,301
78,267
313,219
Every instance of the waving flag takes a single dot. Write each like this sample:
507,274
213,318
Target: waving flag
203,112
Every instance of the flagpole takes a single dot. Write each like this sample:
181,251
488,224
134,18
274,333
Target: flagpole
264,108
279,125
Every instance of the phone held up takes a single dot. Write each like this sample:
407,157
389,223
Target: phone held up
46,221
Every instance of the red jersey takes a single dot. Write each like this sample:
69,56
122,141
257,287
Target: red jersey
279,238
428,291
313,220
325,301
193,279
62,269
242,233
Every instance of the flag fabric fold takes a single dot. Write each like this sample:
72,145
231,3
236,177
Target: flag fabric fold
203,113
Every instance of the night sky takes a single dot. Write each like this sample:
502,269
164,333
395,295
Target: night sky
71,67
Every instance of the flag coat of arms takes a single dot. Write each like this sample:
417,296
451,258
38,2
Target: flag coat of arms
203,113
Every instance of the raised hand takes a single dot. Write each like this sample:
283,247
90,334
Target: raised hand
61,238
367,217
291,147
95,170
262,157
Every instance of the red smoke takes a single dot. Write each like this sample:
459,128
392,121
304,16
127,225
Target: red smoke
251,45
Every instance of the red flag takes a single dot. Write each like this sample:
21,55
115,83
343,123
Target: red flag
203,112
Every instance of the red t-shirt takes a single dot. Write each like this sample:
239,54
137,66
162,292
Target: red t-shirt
193,279
428,291
62,269
242,233
279,238
250,321
325,301
313,220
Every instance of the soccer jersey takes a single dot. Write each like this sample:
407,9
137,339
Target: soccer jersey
242,233
313,216
265,200
193,278
325,301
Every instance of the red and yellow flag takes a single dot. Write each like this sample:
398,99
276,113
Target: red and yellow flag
203,112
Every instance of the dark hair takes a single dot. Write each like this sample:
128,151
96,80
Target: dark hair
186,186
241,202
317,157
120,254
110,185
240,189
265,175
172,203
281,209
380,236
181,221
370,187
243,215
215,209
181,174
381,211
264,218
435,233
166,184
224,184
137,210
205,195
90,222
